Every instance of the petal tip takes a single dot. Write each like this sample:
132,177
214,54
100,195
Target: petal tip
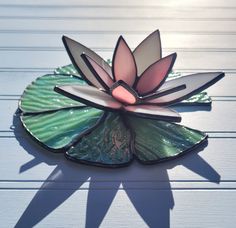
221,74
123,62
121,38
157,31
174,55
65,39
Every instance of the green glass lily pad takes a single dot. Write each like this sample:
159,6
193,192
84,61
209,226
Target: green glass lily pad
67,70
200,98
58,129
90,136
40,95
156,141
107,145
173,75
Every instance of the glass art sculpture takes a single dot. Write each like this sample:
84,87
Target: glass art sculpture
108,115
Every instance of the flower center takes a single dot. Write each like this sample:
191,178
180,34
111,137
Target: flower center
124,94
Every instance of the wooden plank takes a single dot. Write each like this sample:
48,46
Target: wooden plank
120,184
106,41
46,190
126,12
21,80
123,3
148,208
225,87
117,25
23,160
198,60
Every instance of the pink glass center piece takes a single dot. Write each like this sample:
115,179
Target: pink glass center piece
123,95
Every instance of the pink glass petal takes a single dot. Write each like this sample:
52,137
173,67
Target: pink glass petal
148,52
155,112
124,67
195,83
90,96
75,50
155,75
123,95
102,76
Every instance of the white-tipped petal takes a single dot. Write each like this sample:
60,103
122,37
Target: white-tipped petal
195,83
148,52
154,112
89,96
101,75
75,50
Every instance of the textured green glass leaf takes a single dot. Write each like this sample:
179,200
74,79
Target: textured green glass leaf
59,128
68,70
159,140
108,144
200,98
173,75
40,95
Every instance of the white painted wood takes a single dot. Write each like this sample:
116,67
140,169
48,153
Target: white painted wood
107,184
174,41
141,208
115,25
121,3
197,190
30,164
225,87
126,12
201,60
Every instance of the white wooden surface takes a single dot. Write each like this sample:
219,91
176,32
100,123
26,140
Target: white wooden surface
41,189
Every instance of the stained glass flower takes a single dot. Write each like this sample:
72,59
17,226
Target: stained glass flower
107,115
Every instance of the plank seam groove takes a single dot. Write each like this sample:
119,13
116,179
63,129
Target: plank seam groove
116,181
130,188
112,6
44,69
77,32
116,18
104,49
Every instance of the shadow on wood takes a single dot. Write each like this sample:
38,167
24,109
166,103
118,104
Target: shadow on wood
153,201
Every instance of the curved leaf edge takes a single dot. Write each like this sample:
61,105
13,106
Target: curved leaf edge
201,144
100,164
65,148
49,110
68,70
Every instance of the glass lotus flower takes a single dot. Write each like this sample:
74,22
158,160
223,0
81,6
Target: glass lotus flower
107,116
